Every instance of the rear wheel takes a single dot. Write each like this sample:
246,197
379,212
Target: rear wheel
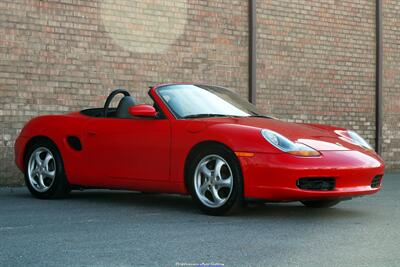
320,203
215,181
44,172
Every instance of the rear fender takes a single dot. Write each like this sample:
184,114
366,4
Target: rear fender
56,128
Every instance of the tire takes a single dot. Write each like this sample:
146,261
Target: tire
44,171
215,182
320,203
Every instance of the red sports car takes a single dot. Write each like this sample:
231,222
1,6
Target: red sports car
200,140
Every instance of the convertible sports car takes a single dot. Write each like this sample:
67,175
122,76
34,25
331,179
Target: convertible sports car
200,140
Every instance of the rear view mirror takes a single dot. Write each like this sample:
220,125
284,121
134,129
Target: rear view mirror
143,111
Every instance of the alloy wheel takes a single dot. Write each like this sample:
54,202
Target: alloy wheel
213,181
41,169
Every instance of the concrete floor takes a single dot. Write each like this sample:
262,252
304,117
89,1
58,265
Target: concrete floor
111,228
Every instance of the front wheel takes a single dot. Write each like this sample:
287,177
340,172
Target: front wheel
320,203
215,181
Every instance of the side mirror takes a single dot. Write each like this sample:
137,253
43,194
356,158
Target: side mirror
143,111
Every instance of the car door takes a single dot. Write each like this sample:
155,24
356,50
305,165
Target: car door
122,151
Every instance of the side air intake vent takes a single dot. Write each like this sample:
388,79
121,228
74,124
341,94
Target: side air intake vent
74,143
316,183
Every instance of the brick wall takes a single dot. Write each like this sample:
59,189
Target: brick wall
60,56
317,62
316,58
391,83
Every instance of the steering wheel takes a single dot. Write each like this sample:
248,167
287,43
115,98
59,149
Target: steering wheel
111,97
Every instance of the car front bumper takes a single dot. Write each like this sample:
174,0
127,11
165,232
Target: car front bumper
275,177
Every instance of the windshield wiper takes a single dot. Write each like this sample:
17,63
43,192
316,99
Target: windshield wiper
206,115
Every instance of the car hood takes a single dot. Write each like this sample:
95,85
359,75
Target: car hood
319,137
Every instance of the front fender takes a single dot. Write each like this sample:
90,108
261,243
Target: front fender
187,135
241,138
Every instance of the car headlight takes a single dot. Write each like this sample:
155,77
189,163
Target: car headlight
354,138
284,144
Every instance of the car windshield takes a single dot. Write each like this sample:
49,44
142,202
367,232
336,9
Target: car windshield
196,101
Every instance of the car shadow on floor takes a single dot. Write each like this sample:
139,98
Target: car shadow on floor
153,202
134,199
298,211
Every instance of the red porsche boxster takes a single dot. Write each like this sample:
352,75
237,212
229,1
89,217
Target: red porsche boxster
200,140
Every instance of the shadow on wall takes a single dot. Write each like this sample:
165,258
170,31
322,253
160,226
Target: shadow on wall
130,27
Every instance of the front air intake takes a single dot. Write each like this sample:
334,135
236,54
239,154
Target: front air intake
376,181
316,183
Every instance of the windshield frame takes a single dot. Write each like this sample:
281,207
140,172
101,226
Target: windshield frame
177,117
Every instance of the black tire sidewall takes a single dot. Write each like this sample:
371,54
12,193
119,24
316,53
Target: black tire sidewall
60,185
236,198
